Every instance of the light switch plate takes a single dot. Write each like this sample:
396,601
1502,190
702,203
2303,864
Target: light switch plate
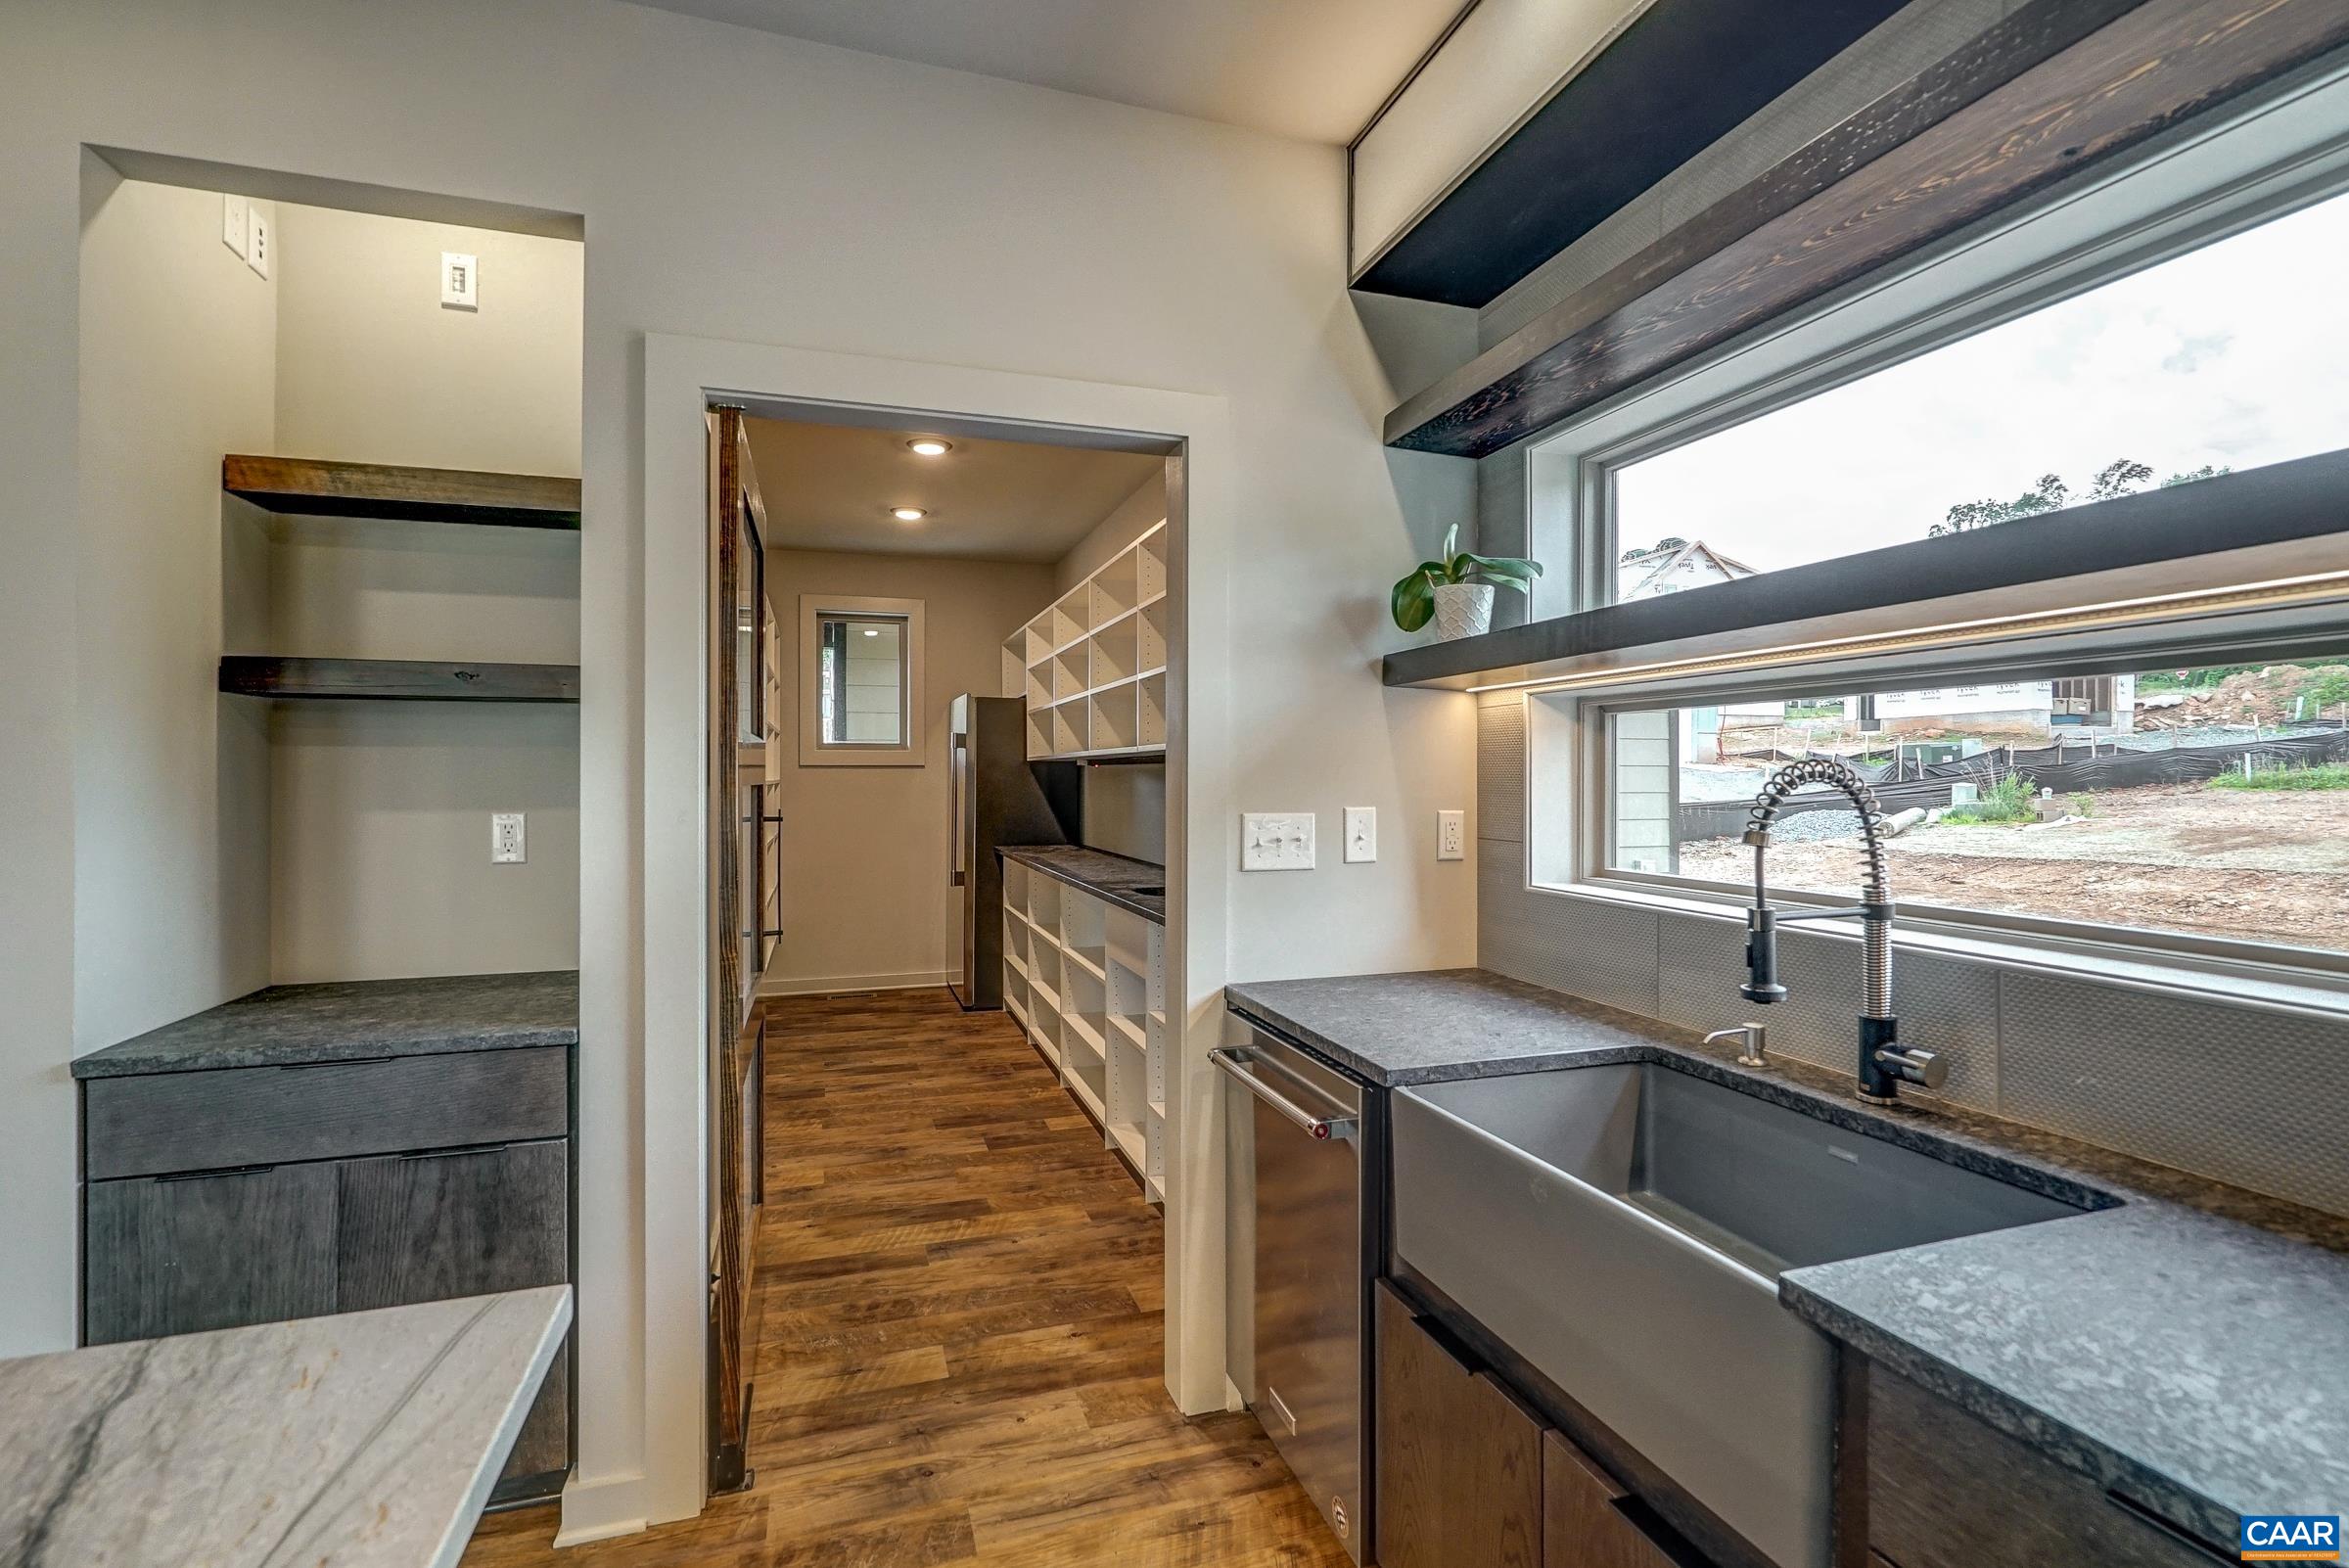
261,238
232,225
505,837
1276,841
1452,834
1361,833
460,281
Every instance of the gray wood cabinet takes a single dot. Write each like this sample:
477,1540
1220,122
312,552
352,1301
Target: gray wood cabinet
1946,1490
302,1232
179,1255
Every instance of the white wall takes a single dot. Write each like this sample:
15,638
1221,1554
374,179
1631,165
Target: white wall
1126,522
171,898
744,187
865,899
372,368
380,812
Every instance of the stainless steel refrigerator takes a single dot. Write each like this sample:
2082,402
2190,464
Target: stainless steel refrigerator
997,797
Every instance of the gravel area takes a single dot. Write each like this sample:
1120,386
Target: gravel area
2269,866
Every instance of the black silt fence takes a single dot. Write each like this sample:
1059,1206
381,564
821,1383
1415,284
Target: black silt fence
2107,770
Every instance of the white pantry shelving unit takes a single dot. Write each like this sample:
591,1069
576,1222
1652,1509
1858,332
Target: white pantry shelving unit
1093,668
1086,981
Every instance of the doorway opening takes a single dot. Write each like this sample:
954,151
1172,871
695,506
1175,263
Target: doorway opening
939,756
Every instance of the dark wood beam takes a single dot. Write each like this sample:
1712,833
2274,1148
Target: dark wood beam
314,487
2058,87
2279,507
1624,120
397,680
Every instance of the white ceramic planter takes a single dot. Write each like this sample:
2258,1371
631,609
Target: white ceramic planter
1463,610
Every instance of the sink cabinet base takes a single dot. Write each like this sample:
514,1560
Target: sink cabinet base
1471,1475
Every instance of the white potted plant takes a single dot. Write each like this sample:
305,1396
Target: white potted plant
1456,591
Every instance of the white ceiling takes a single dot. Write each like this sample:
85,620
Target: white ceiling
831,487
1310,68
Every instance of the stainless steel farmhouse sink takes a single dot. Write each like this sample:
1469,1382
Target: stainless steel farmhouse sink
1623,1227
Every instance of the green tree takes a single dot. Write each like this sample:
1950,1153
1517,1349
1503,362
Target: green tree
2050,495
2123,477
2118,479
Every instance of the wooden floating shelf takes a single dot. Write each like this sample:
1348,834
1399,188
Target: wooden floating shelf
2093,80
2106,552
313,487
397,680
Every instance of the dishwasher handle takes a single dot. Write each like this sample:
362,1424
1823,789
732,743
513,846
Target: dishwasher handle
1239,1064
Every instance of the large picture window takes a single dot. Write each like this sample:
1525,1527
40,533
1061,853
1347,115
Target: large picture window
2209,801
2225,358
2186,805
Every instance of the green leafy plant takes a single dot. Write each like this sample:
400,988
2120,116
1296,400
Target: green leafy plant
1414,598
2007,800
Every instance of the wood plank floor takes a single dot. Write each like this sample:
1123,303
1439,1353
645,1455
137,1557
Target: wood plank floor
959,1296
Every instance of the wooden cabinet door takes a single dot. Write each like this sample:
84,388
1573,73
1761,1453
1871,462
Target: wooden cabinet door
1944,1490
465,1222
1584,1522
177,1255
1460,1460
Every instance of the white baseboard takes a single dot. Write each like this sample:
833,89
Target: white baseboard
831,985
600,1509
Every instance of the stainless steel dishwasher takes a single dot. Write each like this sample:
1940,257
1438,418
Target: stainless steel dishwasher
1304,1228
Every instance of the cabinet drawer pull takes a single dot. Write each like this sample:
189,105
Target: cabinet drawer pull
207,1175
342,1061
456,1154
2175,1532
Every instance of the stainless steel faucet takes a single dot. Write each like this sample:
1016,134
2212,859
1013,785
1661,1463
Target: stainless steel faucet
1883,1065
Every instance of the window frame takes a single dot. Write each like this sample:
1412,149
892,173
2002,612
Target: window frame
2189,191
910,749
2186,193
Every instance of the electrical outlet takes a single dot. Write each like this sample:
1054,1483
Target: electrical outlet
261,238
1276,841
232,225
1452,834
460,281
505,837
1361,833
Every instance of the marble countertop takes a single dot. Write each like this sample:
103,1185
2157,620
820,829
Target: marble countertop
348,1020
366,1440
1110,877
2183,1342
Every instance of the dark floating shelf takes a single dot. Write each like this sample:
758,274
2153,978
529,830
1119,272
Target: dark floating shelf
2093,80
316,488
397,680
2021,568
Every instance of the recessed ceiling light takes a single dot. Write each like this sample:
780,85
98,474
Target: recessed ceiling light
929,446
908,514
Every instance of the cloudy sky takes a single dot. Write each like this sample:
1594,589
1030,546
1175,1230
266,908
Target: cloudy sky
2236,355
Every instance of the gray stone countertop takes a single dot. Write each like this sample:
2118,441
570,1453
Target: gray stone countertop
348,1020
1110,877
366,1440
2183,1342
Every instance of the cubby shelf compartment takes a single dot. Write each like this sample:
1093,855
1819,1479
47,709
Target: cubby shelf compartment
1086,665
1088,986
396,680
313,487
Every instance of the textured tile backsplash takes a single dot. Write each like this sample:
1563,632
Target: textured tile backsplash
2246,1095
